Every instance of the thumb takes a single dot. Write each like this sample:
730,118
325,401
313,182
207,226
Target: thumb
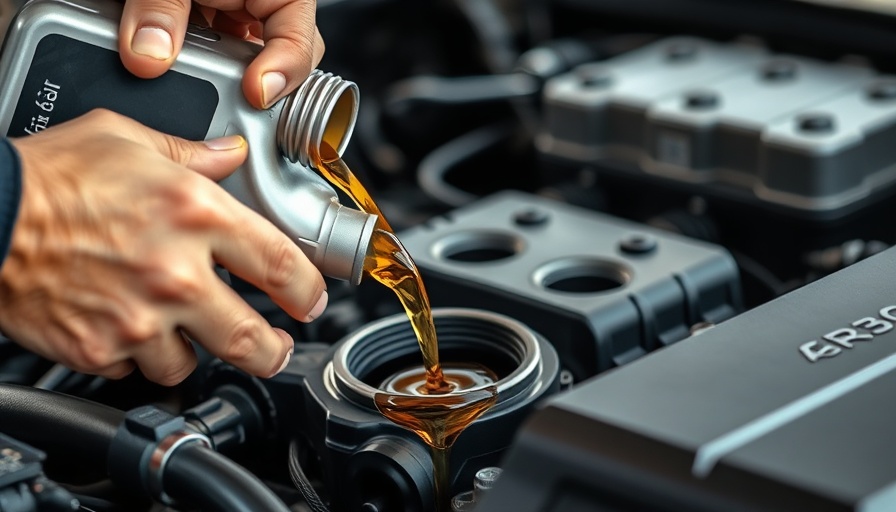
214,158
151,35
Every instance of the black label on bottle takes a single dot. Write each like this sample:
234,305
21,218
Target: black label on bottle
68,78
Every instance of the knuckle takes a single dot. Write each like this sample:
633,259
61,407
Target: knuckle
174,279
244,341
103,116
299,44
196,206
318,41
92,356
118,371
282,264
176,372
166,6
141,327
106,120
179,150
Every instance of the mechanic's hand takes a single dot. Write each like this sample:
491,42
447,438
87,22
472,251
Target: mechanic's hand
112,256
151,35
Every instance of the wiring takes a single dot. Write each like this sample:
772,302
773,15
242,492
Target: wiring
301,481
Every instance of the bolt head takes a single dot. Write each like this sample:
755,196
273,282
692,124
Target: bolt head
531,217
638,243
779,70
882,90
680,52
594,76
816,123
701,100
485,478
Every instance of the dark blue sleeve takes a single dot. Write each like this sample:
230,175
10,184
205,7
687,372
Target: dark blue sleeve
10,193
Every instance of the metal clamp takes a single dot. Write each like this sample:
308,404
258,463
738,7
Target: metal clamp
158,459
143,446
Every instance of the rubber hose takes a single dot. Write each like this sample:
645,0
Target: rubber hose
194,474
52,421
203,478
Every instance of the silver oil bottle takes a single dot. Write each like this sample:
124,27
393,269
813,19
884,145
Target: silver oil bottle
60,60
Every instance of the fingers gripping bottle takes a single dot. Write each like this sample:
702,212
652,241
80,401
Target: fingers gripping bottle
60,60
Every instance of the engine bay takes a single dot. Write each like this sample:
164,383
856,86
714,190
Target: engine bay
664,224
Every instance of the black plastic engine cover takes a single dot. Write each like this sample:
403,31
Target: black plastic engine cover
786,407
604,291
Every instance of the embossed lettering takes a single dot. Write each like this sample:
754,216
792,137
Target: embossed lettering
873,325
888,313
845,337
833,343
813,350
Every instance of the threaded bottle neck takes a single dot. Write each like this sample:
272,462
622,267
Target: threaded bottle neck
322,110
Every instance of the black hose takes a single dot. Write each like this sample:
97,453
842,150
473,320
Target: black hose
194,475
55,421
203,478
465,90
433,169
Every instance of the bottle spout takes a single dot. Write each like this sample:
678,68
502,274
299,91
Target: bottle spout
323,110
346,244
322,113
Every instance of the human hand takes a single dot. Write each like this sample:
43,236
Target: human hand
112,256
151,35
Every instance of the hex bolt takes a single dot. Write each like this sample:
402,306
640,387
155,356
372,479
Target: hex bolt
531,217
594,77
701,100
815,123
638,243
779,70
883,90
681,51
485,478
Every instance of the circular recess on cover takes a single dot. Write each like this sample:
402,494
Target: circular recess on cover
478,246
582,275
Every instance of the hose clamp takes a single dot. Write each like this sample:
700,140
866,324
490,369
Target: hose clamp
142,447
159,457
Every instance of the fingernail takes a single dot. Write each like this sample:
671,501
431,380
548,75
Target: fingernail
153,42
319,308
285,361
272,84
226,143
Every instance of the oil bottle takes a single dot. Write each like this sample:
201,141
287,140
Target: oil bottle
60,60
